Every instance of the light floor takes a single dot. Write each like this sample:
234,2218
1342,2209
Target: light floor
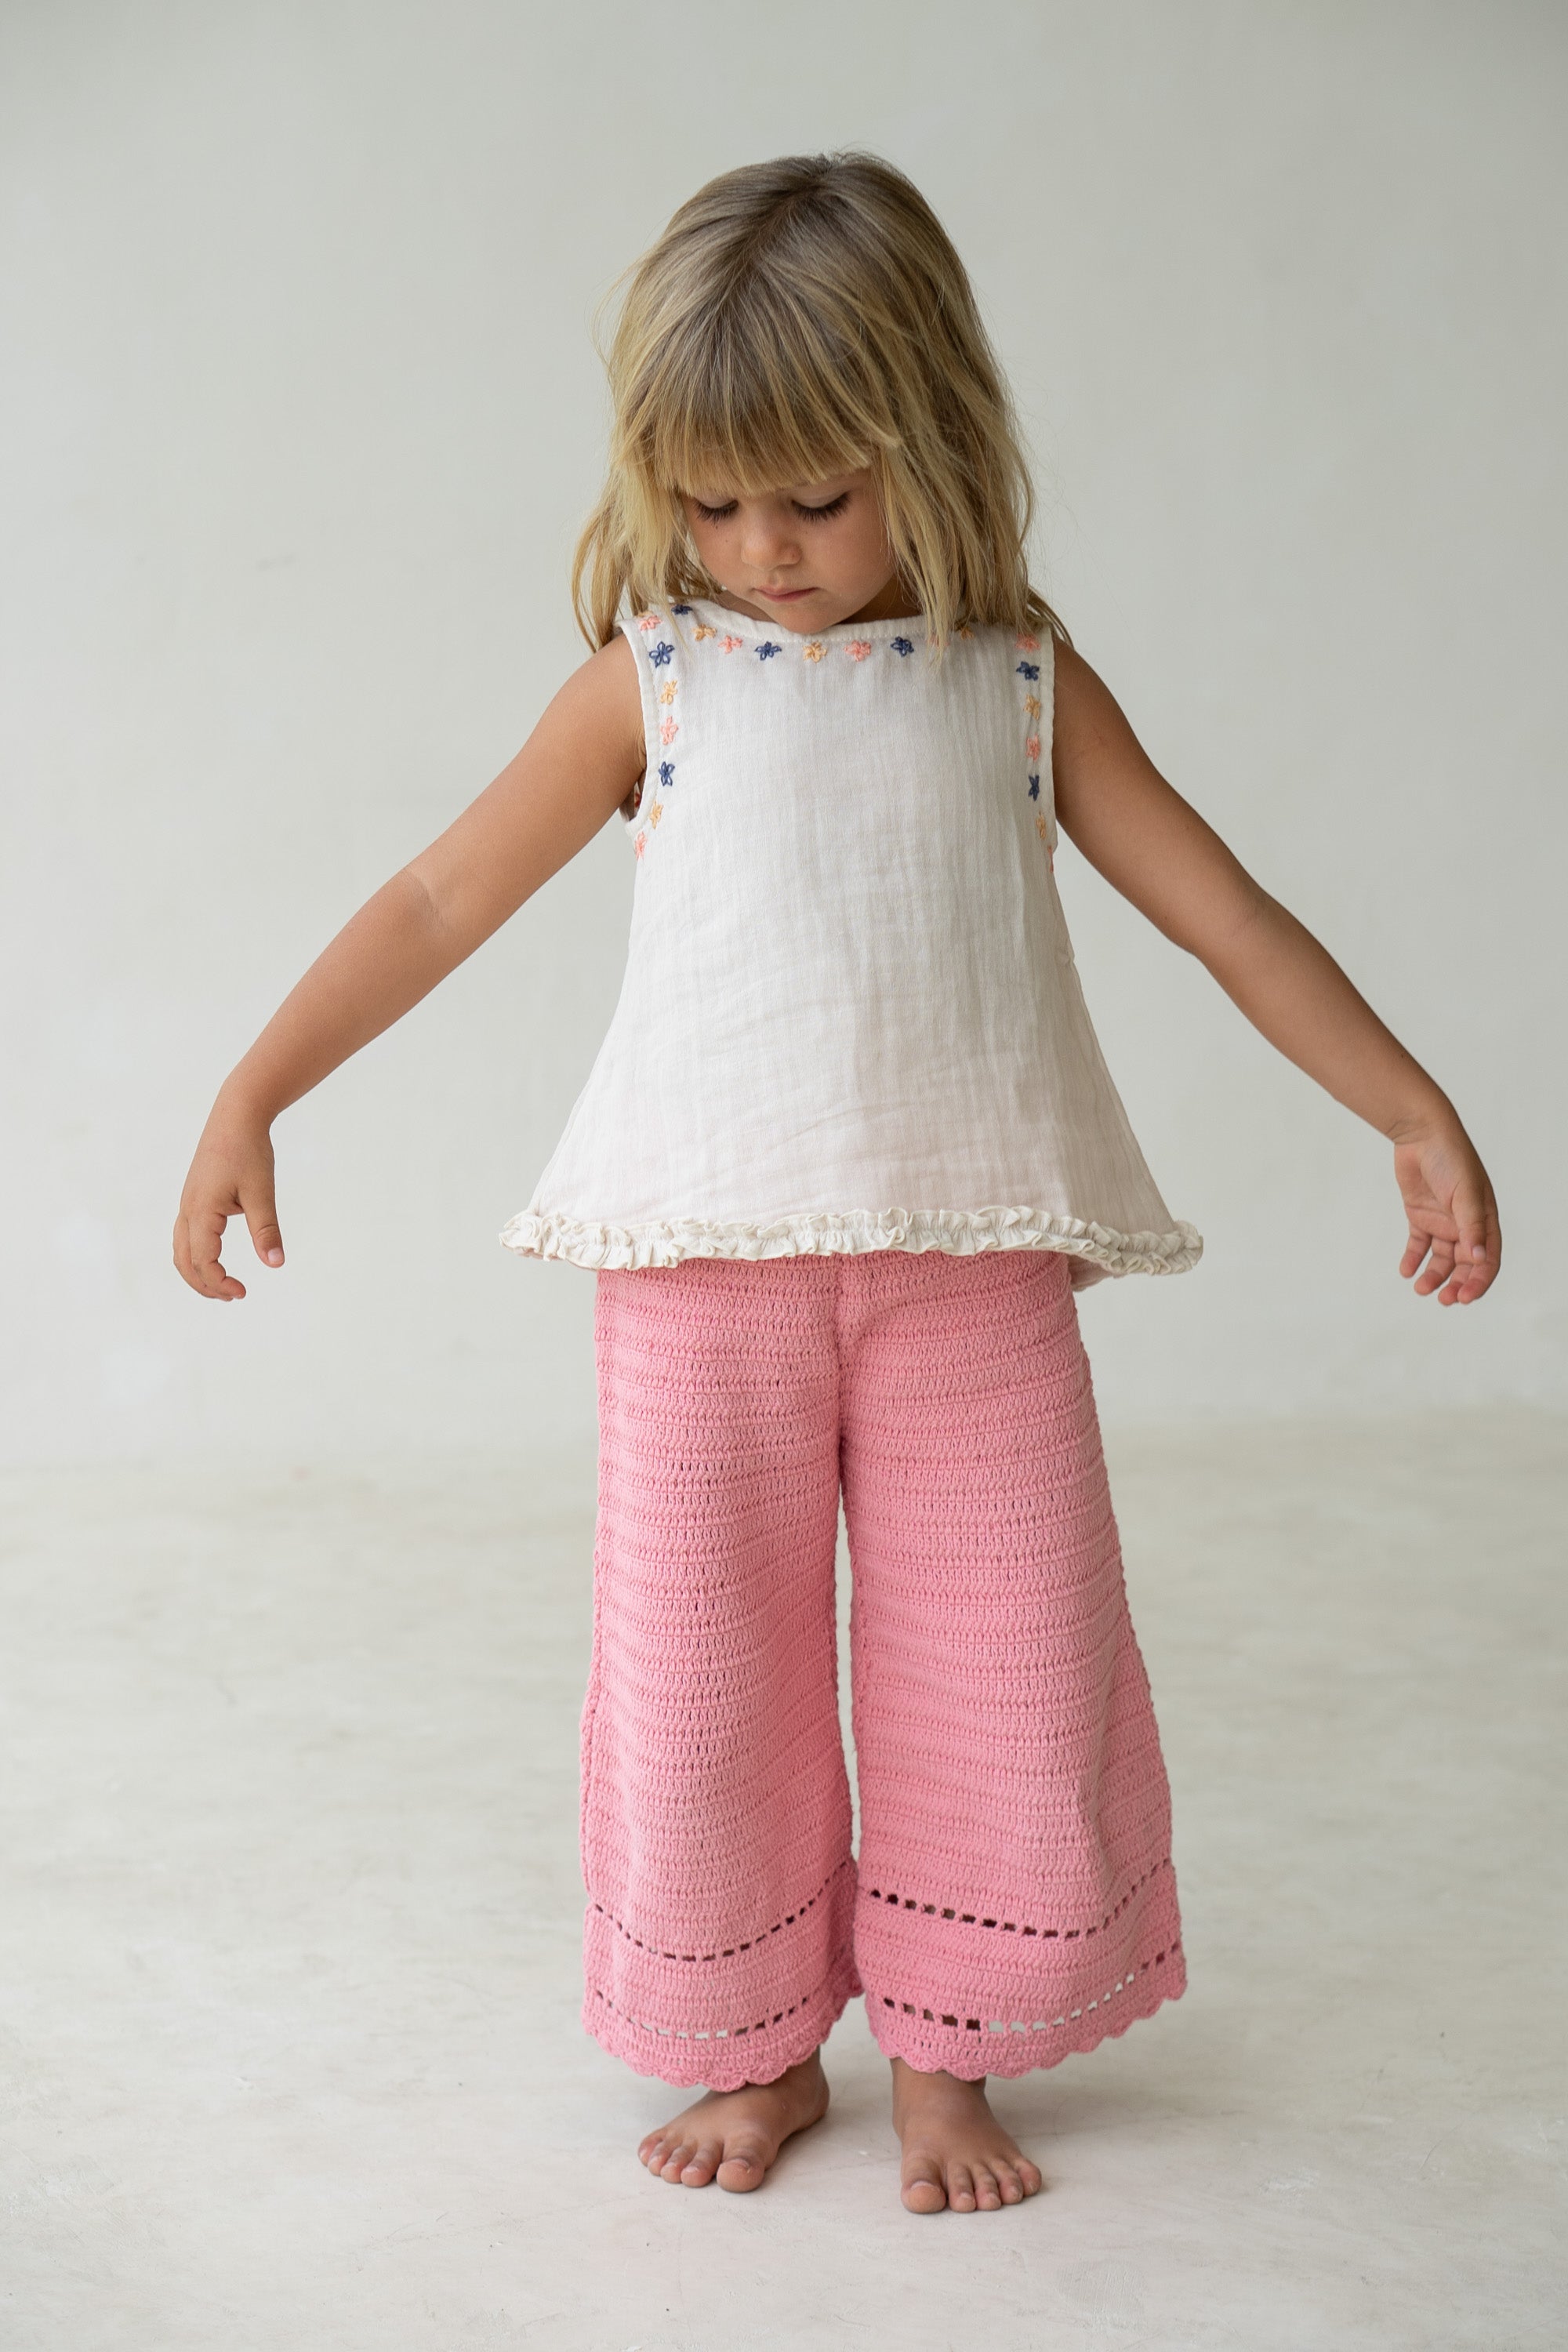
288,1938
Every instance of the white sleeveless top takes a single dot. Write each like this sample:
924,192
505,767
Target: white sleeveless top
851,1019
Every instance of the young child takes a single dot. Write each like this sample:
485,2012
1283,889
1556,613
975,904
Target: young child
847,1154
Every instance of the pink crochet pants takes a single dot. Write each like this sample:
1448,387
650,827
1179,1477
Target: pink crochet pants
1014,1898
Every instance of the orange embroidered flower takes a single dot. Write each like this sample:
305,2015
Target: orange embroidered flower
1031,704
1032,745
858,648
1026,642
669,730
1041,827
813,652
966,631
656,813
702,630
667,693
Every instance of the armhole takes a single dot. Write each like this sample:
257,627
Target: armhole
1048,734
640,641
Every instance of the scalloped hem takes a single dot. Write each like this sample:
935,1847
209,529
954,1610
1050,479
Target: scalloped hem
720,2061
999,2046
1098,1250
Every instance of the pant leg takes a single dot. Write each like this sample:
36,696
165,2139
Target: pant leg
715,1803
1016,1899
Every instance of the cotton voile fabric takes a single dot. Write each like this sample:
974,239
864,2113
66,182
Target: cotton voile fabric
851,1019
1014,1898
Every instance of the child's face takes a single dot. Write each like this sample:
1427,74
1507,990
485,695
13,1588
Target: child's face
806,556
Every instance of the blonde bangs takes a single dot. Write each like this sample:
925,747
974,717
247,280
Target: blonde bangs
799,320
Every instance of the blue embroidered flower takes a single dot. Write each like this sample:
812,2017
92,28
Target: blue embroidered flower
1033,788
659,654
667,773
767,649
680,608
1028,669
902,645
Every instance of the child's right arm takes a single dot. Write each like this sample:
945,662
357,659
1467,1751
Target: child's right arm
580,765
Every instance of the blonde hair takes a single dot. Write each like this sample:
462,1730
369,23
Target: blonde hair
800,318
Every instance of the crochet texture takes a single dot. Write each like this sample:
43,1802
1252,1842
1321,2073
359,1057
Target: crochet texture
1014,1899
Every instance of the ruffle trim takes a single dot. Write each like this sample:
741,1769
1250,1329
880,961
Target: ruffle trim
959,1232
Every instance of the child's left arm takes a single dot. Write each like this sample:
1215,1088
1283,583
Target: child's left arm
1153,847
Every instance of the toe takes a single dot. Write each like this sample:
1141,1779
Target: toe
988,2195
743,2167
923,2191
675,2159
1031,2175
1011,2186
960,2188
702,2164
652,2151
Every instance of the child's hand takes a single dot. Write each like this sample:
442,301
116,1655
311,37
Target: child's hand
1452,1213
231,1176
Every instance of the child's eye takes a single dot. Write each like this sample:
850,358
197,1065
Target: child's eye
834,506
714,514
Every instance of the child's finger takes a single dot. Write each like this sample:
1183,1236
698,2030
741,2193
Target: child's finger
1416,1249
261,1216
203,1232
1438,1267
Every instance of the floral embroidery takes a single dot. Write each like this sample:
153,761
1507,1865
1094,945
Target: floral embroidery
1032,705
767,649
966,631
667,773
703,630
647,621
680,608
902,645
1033,788
667,691
1024,641
670,727
656,813
1028,669
730,645
858,648
813,652
639,843
1031,742
660,654
1041,828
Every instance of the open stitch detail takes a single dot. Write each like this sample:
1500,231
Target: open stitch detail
719,2032
727,1951
1040,2024
1011,1927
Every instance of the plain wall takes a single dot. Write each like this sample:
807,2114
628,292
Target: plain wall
302,417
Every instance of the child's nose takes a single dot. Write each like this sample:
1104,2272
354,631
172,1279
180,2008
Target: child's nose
768,546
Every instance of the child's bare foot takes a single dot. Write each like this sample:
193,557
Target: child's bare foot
733,2136
955,2151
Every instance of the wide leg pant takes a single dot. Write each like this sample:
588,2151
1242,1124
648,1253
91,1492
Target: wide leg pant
1014,1898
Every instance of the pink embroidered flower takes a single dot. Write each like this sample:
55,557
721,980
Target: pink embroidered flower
640,841
730,645
813,652
647,619
858,648
669,730
1026,642
1032,745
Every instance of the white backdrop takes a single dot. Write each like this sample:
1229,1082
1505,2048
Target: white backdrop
301,418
